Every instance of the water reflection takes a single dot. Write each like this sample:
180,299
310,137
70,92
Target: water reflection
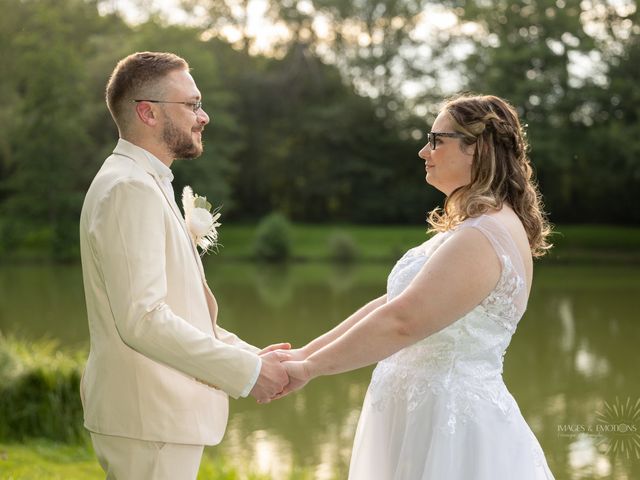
43,301
565,312
584,459
574,350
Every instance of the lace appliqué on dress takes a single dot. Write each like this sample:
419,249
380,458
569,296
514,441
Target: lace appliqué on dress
499,304
449,364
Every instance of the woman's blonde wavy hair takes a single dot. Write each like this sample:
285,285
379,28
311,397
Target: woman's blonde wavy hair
500,172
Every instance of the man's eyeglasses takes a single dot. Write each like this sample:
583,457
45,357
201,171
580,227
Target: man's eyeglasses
195,106
433,136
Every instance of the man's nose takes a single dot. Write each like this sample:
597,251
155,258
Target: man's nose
203,118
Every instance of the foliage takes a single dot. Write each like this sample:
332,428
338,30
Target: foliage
312,156
371,41
342,247
40,391
322,154
43,119
567,65
319,126
273,238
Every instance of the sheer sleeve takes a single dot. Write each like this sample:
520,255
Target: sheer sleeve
512,283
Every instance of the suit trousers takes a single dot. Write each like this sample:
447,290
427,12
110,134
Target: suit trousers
130,459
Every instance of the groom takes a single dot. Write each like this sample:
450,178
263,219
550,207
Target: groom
156,385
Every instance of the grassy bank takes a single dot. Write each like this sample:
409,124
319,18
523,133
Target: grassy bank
41,432
579,243
596,244
372,243
47,460
313,242
44,459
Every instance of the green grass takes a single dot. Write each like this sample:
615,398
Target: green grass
596,244
311,242
47,460
383,243
374,243
597,237
41,432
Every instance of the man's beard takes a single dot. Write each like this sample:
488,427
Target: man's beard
179,143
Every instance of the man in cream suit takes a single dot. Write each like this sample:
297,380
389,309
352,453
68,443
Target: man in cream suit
160,370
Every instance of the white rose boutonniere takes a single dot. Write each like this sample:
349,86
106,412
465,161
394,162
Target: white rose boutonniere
201,221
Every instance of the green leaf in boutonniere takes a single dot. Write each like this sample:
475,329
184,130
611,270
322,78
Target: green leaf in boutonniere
201,221
201,202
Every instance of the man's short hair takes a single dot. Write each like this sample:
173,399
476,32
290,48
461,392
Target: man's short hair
135,75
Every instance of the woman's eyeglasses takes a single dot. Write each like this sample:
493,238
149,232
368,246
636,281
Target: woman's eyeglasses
433,136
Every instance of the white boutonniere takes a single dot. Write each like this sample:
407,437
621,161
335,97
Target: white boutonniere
202,221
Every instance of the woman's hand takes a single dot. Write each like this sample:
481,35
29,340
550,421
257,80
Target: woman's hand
283,347
295,354
298,375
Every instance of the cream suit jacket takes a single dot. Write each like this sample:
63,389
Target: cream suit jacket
159,367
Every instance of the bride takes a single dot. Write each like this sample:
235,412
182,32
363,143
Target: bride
437,407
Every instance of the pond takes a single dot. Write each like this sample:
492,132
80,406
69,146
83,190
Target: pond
572,365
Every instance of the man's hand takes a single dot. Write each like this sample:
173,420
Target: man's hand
273,377
299,376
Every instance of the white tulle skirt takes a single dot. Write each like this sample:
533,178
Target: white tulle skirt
427,443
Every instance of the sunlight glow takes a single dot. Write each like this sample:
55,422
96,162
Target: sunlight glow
568,322
269,455
584,457
589,364
266,36
321,26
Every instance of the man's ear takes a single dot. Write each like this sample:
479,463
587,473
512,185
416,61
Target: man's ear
146,113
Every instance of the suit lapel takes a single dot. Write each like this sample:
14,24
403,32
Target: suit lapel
194,249
178,214
123,150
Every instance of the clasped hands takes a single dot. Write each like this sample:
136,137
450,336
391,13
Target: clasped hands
283,371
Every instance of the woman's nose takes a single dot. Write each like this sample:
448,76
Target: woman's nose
425,152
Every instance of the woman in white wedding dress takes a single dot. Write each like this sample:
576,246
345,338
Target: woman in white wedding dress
437,407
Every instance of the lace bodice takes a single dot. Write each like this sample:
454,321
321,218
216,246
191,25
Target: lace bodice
464,360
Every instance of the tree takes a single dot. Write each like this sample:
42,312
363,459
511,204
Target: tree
372,42
47,145
531,53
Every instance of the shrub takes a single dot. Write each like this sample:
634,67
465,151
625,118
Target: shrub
342,247
273,239
39,392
